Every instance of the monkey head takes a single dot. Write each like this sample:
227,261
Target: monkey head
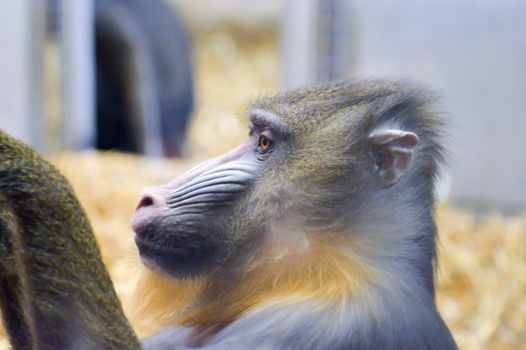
312,160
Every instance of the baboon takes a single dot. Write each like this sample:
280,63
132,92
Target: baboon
317,233
144,77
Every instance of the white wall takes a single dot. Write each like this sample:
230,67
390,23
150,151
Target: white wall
78,74
474,53
21,34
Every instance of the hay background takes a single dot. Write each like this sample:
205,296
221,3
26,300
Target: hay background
482,276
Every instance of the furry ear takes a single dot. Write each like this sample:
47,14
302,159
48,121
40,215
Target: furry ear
392,150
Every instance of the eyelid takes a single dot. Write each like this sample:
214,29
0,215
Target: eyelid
267,133
261,130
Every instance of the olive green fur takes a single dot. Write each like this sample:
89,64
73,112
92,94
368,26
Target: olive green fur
329,147
70,298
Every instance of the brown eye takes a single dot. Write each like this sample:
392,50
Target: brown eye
264,144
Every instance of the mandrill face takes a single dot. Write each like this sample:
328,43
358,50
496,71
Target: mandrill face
312,160
195,222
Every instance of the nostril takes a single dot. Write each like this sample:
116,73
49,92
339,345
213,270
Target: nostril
150,198
145,201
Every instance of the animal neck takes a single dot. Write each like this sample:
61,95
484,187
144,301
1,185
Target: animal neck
322,273
158,301
396,238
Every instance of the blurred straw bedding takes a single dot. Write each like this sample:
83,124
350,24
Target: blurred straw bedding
482,261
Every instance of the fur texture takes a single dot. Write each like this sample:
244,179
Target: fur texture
56,292
337,259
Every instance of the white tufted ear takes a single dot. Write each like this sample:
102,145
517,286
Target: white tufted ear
392,150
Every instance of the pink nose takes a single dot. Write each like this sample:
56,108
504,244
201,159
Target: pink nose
151,205
149,199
